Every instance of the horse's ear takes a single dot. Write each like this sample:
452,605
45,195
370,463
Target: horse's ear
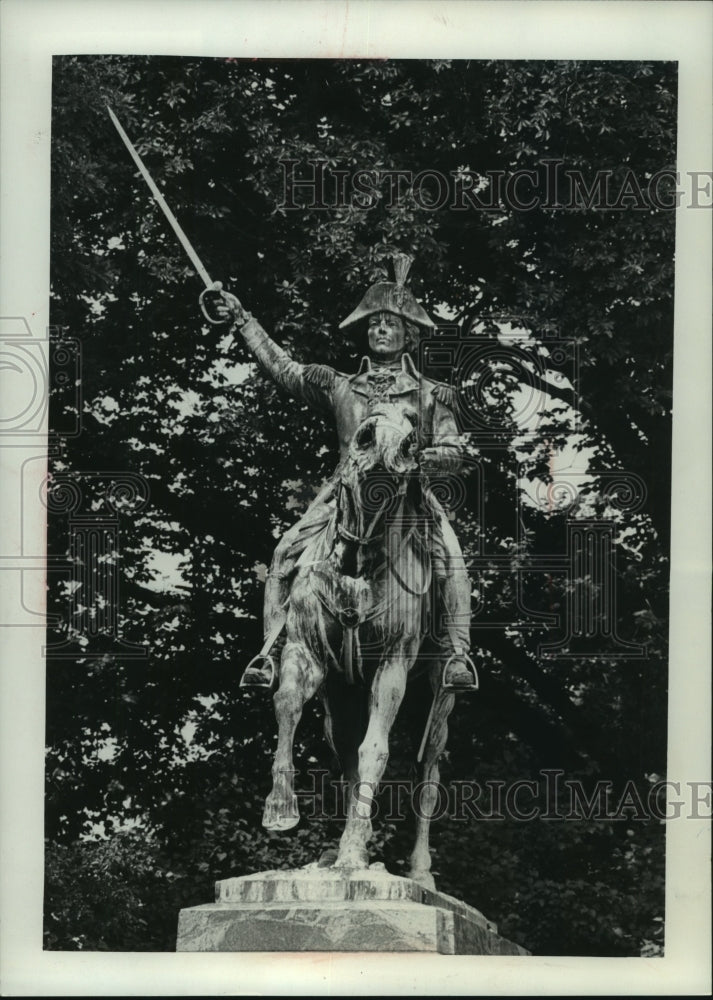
364,436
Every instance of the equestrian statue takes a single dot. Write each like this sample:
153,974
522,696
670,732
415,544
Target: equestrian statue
349,593
347,609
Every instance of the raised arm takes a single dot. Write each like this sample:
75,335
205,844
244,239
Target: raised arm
311,383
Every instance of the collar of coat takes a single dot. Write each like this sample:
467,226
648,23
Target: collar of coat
407,376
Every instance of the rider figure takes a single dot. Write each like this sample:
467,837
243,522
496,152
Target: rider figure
386,374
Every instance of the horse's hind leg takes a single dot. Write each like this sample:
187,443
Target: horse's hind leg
300,677
430,790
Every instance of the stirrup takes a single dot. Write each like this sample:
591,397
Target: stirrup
261,672
474,682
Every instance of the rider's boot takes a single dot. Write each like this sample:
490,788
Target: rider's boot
264,669
459,671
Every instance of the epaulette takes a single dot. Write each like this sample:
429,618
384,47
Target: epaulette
321,376
446,394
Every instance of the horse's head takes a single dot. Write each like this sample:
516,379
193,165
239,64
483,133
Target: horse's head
380,468
386,441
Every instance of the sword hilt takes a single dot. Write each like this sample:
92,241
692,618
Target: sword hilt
206,296
214,292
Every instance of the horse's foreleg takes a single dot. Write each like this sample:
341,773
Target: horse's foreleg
344,724
300,677
430,791
386,695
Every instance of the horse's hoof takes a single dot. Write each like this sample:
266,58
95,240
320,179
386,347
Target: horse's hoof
425,879
327,858
279,816
354,861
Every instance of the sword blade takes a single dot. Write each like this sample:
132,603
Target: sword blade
161,201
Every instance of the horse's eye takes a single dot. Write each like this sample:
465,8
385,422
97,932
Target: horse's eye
365,437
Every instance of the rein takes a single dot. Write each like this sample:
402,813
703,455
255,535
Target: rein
349,618
365,539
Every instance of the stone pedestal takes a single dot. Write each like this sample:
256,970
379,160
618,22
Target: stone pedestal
320,909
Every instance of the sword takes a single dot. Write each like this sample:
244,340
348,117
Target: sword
210,285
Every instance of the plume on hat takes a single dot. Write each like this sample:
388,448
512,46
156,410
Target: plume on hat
391,296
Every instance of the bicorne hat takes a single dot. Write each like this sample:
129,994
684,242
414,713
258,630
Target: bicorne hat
391,296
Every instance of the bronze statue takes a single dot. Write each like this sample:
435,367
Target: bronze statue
347,591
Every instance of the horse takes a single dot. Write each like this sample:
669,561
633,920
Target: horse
356,620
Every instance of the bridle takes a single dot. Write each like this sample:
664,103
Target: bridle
364,538
349,618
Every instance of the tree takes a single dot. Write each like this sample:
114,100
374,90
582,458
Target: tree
167,741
